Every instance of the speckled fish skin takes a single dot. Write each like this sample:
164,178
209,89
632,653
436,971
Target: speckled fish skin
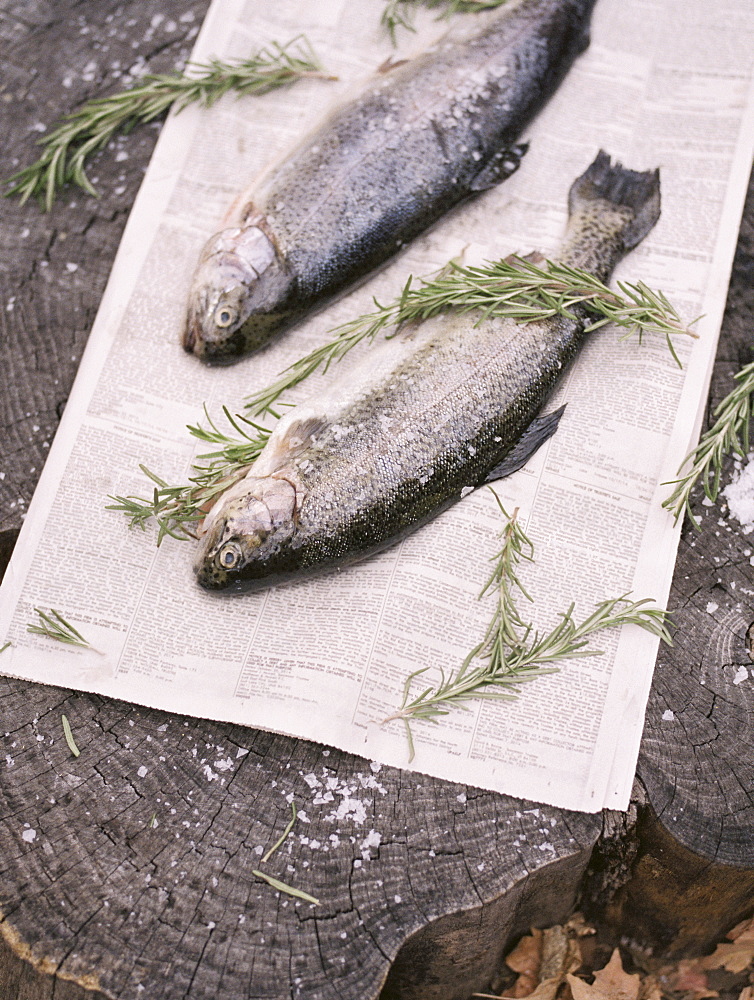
380,170
425,416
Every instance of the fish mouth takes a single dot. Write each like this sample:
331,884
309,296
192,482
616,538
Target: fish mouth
211,578
213,352
191,335
212,575
189,338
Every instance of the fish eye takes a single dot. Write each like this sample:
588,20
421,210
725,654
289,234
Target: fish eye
225,316
229,555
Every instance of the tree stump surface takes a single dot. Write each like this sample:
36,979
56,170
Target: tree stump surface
128,872
695,867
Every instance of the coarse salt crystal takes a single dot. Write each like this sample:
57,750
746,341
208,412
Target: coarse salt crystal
739,495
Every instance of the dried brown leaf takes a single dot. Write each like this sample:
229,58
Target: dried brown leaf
583,991
578,927
546,990
525,986
689,977
650,989
610,983
542,959
560,953
616,983
740,928
734,957
527,955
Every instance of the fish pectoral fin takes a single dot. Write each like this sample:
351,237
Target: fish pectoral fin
535,435
502,165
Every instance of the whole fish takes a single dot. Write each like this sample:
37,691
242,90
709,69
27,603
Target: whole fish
448,405
379,171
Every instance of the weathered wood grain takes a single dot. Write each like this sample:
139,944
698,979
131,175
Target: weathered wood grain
53,267
127,872
138,872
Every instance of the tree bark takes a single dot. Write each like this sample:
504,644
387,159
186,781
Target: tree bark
128,872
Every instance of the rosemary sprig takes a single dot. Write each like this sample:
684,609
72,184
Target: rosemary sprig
729,433
68,733
289,890
398,13
511,651
514,288
69,145
54,626
176,509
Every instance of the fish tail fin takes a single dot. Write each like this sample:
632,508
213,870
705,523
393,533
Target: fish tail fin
607,182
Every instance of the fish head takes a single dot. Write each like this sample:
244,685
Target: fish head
246,529
238,295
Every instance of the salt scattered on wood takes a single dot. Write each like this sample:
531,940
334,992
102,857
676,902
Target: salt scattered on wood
739,494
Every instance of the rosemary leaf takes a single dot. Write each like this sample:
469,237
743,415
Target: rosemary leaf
177,509
511,652
282,838
67,732
728,434
70,144
514,288
54,626
289,890
5,646
398,13
274,882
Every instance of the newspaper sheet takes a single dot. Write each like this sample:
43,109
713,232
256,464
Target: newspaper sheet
664,83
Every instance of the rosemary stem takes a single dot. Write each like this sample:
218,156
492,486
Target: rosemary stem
66,149
513,288
729,434
511,651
